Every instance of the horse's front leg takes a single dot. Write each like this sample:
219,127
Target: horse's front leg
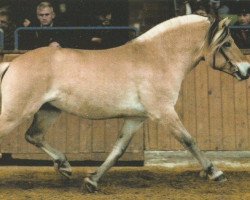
172,121
129,128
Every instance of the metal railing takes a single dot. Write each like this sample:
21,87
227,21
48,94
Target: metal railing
89,28
239,27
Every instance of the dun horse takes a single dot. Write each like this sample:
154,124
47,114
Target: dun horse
136,81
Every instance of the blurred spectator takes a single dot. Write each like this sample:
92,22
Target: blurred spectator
63,16
105,38
185,8
242,36
218,9
200,9
8,27
214,8
223,9
46,18
102,38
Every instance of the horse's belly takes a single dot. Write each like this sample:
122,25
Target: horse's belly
99,108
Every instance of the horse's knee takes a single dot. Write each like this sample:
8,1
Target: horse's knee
188,141
119,152
184,138
35,139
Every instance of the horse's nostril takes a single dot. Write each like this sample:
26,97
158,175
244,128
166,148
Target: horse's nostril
248,71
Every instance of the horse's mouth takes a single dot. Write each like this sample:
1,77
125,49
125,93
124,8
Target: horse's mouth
243,70
241,77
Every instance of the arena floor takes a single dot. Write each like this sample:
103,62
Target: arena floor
42,183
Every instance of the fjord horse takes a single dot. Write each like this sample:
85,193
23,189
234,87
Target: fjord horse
136,81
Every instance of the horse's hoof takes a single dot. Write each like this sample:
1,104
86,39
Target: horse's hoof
90,185
217,176
221,178
63,167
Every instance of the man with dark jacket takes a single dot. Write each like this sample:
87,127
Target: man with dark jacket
45,36
242,36
8,27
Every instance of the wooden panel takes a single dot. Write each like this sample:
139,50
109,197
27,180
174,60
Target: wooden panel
228,115
72,138
248,111
85,136
202,115
151,133
98,139
59,130
111,133
215,110
189,104
174,144
23,145
241,127
163,138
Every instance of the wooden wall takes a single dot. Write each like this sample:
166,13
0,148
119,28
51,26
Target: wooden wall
213,106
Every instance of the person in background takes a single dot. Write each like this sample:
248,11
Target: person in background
242,36
200,9
46,18
8,26
103,38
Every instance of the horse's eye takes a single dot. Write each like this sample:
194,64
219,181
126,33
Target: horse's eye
227,44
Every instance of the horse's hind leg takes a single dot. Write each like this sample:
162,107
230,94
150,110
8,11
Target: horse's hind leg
43,119
181,134
129,128
8,123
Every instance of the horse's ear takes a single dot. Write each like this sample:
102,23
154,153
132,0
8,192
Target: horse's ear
218,32
224,22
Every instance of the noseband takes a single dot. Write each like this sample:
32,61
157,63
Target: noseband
233,67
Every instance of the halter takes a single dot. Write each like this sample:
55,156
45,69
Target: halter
233,67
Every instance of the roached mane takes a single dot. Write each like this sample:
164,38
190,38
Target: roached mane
169,25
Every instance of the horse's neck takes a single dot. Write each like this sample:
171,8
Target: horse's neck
183,48
176,44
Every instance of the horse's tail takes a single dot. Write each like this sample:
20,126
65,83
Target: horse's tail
3,68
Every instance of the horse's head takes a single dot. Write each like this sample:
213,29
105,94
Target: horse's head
222,53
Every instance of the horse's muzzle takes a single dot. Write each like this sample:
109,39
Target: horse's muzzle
243,71
240,77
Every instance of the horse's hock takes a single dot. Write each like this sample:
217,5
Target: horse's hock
212,105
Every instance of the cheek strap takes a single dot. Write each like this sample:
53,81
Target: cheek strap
233,67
